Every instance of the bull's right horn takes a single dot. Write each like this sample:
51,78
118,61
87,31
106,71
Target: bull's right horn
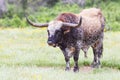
37,24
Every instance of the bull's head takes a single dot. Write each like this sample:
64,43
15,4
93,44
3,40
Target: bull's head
56,29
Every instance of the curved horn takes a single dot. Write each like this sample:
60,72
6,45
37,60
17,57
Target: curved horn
72,24
36,24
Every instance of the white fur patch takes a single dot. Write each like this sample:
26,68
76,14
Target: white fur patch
53,26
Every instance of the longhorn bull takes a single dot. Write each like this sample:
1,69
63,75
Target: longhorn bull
72,32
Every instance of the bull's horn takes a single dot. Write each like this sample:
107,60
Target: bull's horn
72,24
37,24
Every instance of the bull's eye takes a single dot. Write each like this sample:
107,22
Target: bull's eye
58,32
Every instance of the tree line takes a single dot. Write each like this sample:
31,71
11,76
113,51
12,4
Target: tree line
8,7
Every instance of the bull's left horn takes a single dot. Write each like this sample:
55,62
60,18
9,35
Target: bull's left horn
37,24
72,24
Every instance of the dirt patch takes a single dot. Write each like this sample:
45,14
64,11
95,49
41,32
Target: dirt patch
83,69
86,69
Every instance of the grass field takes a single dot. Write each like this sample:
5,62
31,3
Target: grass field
25,55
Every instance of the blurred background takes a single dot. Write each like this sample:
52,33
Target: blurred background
12,12
25,54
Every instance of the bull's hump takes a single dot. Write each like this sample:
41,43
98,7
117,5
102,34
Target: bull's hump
91,25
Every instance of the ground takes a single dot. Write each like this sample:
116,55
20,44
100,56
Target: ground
25,55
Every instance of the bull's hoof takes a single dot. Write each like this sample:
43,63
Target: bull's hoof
95,65
76,69
67,69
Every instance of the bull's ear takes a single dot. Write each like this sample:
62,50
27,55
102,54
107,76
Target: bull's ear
65,29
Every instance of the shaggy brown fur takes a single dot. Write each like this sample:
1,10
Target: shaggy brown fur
92,13
68,17
91,32
92,19
93,23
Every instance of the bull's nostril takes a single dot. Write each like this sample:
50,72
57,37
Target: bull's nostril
51,43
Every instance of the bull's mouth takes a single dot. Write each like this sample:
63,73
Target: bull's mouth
53,45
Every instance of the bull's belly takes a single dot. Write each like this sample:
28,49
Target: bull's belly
70,50
85,48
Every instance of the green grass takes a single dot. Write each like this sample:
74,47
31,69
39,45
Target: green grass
55,73
25,55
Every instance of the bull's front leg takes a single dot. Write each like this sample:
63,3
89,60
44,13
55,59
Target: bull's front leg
76,57
68,53
67,58
72,51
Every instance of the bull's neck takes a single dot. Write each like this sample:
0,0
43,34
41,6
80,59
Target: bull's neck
71,38
73,35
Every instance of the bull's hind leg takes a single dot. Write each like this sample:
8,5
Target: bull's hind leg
97,51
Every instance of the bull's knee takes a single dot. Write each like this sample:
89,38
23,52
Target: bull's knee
67,64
